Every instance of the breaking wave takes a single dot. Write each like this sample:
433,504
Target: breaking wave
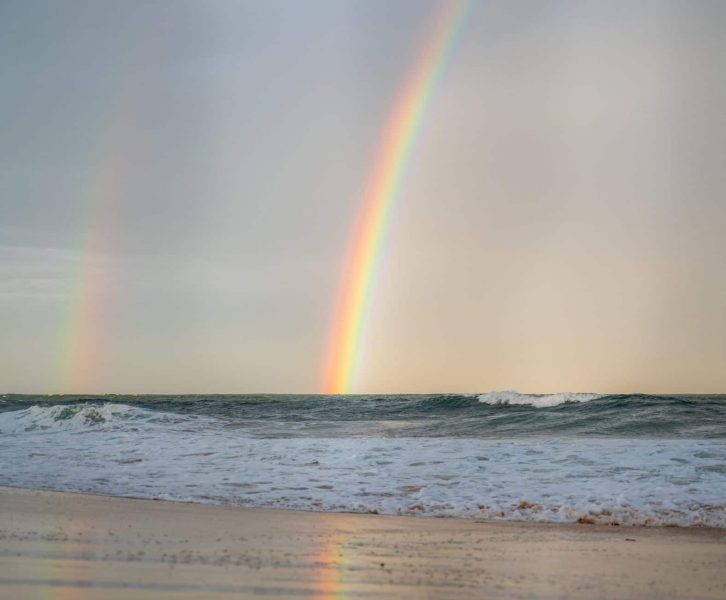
83,417
536,400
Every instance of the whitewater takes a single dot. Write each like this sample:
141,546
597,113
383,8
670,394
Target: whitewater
592,458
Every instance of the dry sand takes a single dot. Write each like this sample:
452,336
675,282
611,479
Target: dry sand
57,545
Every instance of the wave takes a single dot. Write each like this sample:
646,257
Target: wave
536,400
631,459
502,414
82,417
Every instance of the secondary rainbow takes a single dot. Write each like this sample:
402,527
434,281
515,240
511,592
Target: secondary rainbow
83,327
392,156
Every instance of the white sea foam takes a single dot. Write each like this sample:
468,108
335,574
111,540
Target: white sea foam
84,417
536,400
60,417
137,452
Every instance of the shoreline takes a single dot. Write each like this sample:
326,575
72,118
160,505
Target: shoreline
111,547
583,521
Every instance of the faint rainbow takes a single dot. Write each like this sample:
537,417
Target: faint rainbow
83,329
330,562
56,569
392,157
82,322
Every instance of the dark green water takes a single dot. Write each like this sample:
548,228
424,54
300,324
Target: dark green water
492,415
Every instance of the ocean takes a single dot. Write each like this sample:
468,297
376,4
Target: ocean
610,459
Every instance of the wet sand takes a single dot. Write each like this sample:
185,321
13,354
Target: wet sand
81,546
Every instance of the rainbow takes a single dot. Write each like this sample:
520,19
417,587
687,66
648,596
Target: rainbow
392,157
84,316
330,563
82,322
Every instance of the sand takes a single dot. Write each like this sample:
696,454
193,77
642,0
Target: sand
59,545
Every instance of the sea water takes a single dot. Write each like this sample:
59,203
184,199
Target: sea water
627,459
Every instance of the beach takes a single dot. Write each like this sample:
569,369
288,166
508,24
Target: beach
64,545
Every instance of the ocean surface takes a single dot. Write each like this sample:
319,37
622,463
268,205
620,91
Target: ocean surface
626,459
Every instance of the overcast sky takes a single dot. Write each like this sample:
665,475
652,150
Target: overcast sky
178,183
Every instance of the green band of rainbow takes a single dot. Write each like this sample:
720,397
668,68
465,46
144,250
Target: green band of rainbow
379,199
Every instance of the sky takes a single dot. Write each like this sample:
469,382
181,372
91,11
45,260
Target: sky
179,182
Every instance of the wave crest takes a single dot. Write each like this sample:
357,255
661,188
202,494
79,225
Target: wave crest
77,417
536,400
